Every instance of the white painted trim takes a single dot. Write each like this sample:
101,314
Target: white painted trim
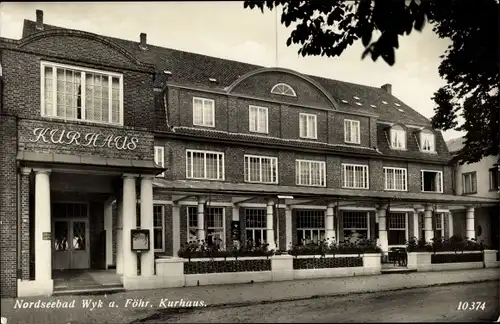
402,210
258,110
203,100
402,133
221,156
405,172
310,163
160,158
356,208
261,158
253,205
284,94
301,130
305,207
364,166
82,70
421,210
422,178
433,140
205,228
352,122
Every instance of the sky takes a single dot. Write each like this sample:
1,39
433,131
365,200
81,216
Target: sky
227,30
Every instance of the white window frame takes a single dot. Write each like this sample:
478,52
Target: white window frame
162,227
432,141
351,137
344,176
251,212
469,177
406,229
310,229
493,177
83,71
258,111
309,163
441,224
394,170
367,229
285,88
160,158
220,173
440,188
401,135
205,225
311,131
247,164
204,123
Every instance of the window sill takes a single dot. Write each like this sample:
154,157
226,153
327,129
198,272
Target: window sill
493,190
437,192
355,188
204,179
307,185
396,190
399,149
203,126
259,182
308,138
428,152
352,143
81,122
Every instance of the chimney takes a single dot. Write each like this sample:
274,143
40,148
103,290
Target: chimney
387,87
39,19
143,45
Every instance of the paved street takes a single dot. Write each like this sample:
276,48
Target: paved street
421,304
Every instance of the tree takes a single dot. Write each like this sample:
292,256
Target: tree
469,65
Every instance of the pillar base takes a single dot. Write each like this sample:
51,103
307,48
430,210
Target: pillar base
29,288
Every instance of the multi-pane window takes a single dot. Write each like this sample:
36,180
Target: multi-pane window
310,226
427,142
397,229
160,158
204,165
469,182
255,226
493,174
158,228
438,224
398,138
395,179
283,89
261,169
258,119
81,94
355,226
214,225
307,125
355,176
310,173
351,131
203,112
432,181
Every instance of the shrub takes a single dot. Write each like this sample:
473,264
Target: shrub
415,245
201,249
324,247
455,243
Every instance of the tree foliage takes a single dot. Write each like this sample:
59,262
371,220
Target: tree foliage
469,65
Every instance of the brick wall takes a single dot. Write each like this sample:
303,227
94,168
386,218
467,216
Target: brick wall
21,73
8,207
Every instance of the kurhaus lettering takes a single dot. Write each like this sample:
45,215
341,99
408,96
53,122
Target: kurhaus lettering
61,136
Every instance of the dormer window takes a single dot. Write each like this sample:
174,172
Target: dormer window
398,138
283,89
427,141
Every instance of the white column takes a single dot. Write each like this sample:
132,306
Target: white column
416,228
129,223
201,218
119,234
147,257
270,223
176,229
236,218
43,248
288,226
329,222
108,227
382,229
429,231
450,224
470,232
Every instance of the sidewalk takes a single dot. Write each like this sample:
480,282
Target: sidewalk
225,295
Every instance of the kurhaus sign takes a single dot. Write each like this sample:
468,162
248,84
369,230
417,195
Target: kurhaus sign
62,136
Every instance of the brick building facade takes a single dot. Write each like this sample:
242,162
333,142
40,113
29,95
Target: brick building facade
92,125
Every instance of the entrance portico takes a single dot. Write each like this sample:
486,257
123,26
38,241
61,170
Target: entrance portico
67,220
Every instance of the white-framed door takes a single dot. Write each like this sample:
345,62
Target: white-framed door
70,243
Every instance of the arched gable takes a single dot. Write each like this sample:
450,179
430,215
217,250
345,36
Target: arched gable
289,72
33,38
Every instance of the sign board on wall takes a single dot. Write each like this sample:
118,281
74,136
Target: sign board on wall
90,139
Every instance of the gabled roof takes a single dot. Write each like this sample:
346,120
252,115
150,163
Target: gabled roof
196,70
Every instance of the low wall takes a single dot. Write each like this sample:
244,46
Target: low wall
449,260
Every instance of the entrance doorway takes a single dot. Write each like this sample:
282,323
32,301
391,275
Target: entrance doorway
70,240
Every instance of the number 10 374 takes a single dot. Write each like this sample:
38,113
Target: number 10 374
473,306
